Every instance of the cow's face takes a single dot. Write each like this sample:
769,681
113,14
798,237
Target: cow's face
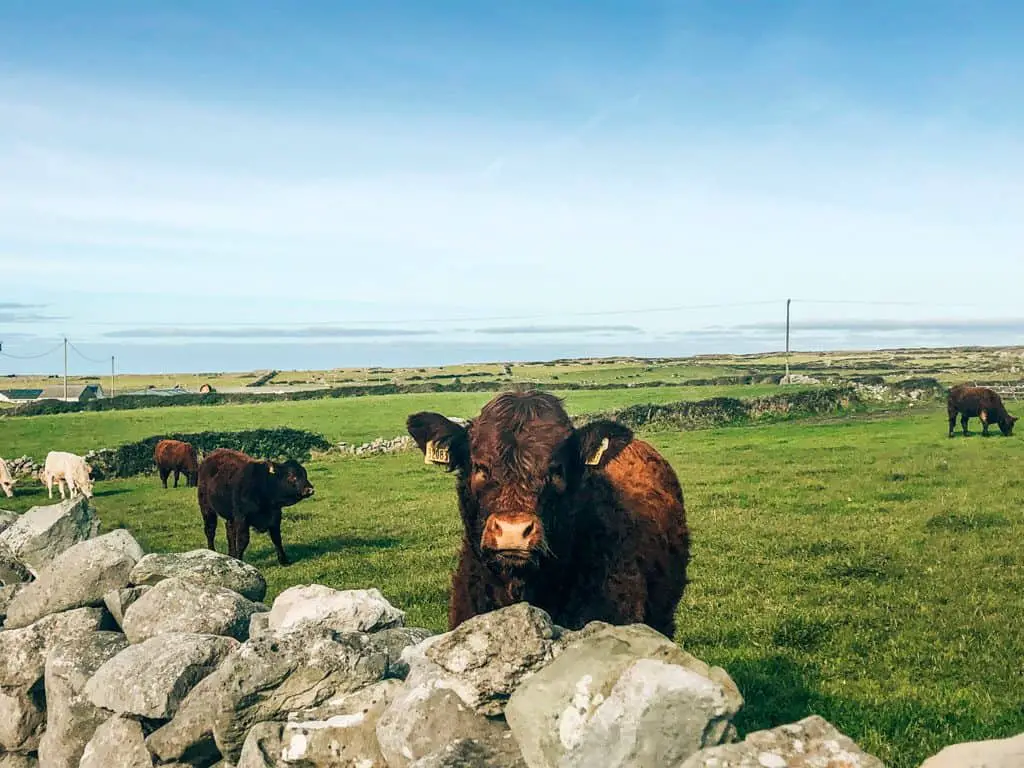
290,483
1006,425
519,464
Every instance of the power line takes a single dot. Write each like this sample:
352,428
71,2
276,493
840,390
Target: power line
32,356
86,357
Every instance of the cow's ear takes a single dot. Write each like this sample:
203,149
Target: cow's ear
601,441
442,441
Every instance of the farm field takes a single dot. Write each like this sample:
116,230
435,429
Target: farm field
356,419
865,568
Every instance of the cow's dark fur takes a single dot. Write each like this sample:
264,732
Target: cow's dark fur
607,542
980,402
179,458
248,493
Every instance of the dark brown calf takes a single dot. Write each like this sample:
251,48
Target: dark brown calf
587,524
980,402
248,494
179,458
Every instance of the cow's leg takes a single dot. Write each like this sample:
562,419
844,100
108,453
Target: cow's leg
984,423
241,538
275,536
229,530
49,485
952,422
164,474
176,473
210,529
963,423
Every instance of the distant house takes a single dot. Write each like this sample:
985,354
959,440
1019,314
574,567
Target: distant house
77,393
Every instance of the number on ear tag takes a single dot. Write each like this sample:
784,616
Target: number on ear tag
435,454
594,460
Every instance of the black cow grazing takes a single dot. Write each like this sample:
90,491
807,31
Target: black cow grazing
980,402
248,493
587,524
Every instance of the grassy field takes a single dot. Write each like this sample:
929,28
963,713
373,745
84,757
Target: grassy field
349,419
867,569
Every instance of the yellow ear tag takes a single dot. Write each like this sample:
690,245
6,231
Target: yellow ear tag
596,458
270,468
433,454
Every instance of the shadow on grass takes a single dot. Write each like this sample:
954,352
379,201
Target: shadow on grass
263,553
901,731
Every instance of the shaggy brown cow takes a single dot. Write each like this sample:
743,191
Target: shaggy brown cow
248,493
981,402
588,524
179,458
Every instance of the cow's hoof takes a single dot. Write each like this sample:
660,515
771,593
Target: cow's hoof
284,561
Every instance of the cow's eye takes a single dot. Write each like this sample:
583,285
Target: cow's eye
556,476
482,472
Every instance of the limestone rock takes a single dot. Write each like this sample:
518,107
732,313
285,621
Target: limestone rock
259,624
120,742
7,519
15,760
466,753
7,595
176,605
23,651
71,719
485,658
340,733
808,742
395,641
118,601
42,533
151,679
993,753
425,717
554,713
12,570
657,714
22,716
352,610
202,566
76,578
189,736
264,680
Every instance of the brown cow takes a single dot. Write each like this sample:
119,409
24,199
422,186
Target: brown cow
981,402
179,458
588,524
248,493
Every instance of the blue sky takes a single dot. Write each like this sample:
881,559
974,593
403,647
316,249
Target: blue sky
195,185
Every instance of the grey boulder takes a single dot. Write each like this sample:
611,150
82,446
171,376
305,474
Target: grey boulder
486,658
150,679
323,608
23,651
12,570
76,578
467,753
993,753
117,601
202,566
602,696
177,605
71,719
809,742
42,533
22,716
119,741
339,733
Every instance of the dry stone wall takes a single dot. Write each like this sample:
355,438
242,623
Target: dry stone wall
111,657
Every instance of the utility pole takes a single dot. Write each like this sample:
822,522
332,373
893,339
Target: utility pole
111,375
787,340
65,370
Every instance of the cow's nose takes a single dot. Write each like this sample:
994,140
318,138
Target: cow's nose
506,535
308,491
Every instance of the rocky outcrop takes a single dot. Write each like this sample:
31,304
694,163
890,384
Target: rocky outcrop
205,567
42,533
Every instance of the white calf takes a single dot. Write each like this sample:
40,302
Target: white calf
67,469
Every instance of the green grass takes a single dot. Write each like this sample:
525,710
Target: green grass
349,419
865,569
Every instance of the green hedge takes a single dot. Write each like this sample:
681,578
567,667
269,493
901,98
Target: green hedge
277,444
725,411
